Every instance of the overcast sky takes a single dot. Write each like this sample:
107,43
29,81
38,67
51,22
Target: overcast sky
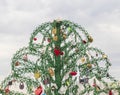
18,19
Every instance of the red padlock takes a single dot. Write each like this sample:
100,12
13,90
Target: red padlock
39,90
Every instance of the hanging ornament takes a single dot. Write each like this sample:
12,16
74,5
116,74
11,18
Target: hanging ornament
35,39
51,71
53,88
57,52
17,63
110,92
89,65
96,54
108,75
64,36
55,38
7,90
43,94
67,83
39,90
77,50
37,75
90,39
104,56
61,53
81,80
48,40
54,31
69,29
73,73
25,58
83,59
94,85
10,83
46,81
84,80
21,86
84,42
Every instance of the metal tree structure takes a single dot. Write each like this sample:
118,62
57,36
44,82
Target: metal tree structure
57,61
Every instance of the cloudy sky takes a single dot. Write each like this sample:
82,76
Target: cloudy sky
18,19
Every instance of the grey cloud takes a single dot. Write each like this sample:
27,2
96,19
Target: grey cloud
18,19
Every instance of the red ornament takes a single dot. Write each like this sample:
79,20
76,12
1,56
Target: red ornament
7,90
61,53
34,39
57,52
48,40
17,63
94,85
110,92
84,41
39,90
73,73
